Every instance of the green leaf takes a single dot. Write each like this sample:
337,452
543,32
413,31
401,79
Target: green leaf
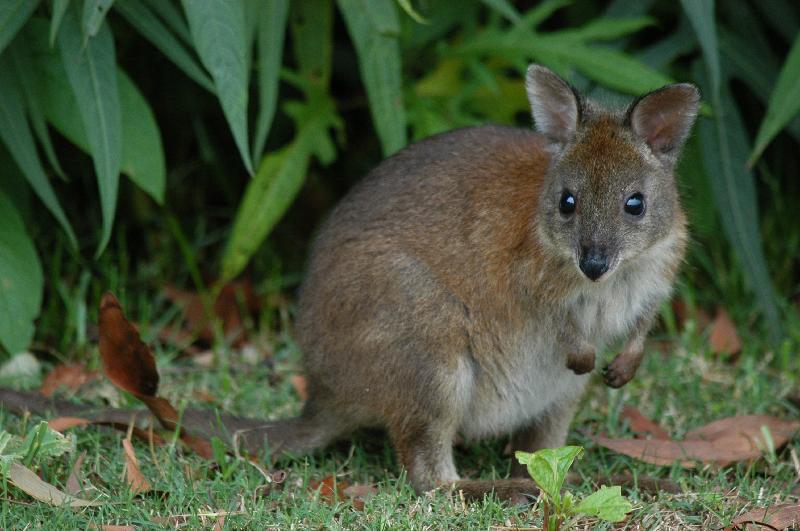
142,158
701,15
13,15
548,467
608,504
41,442
271,32
150,26
724,147
92,74
542,12
278,180
784,103
59,8
411,12
375,37
18,139
21,280
609,29
171,15
94,13
23,63
505,8
218,32
312,39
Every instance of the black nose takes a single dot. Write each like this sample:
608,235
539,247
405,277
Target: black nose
593,262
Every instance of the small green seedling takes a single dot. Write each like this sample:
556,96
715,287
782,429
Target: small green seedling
548,468
40,443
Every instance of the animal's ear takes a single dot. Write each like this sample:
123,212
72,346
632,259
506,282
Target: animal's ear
555,105
663,118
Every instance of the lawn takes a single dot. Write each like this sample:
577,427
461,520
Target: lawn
681,385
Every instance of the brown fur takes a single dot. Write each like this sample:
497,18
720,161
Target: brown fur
442,295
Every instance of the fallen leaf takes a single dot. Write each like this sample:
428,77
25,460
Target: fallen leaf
329,489
683,313
642,425
61,424
724,339
74,483
127,361
359,494
219,525
777,517
136,480
112,527
27,481
235,300
300,385
721,442
70,376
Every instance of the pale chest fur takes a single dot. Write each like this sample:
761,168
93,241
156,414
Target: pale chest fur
529,375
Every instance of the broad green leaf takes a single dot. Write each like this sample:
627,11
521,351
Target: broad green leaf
505,8
17,137
271,32
662,53
41,442
411,12
172,16
278,180
542,12
784,103
142,158
548,467
59,8
609,29
724,147
21,57
218,32
608,504
375,38
701,15
21,280
94,13
312,38
92,74
13,15
150,26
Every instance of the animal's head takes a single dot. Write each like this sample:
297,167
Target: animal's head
609,194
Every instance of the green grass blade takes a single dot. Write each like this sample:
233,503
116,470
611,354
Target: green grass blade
23,281
505,8
271,33
542,12
17,137
312,39
724,145
784,103
701,15
375,38
172,16
13,15
92,74
218,33
609,29
59,8
94,13
267,197
150,26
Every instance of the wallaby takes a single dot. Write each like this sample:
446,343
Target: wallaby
466,283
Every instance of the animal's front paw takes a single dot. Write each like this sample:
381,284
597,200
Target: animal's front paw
622,369
581,362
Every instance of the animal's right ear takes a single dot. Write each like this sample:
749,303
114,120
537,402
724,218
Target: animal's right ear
555,105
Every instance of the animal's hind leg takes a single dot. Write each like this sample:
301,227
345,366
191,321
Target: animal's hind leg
425,449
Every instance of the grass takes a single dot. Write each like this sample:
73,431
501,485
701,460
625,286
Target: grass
681,386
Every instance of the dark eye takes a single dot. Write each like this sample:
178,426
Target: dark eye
567,203
634,205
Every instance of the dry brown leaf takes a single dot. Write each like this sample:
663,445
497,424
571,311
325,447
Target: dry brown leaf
136,480
127,361
74,483
61,424
233,299
300,385
27,481
721,442
683,313
106,527
777,517
724,339
329,489
642,425
71,376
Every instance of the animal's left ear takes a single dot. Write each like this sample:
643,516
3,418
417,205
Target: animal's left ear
663,118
